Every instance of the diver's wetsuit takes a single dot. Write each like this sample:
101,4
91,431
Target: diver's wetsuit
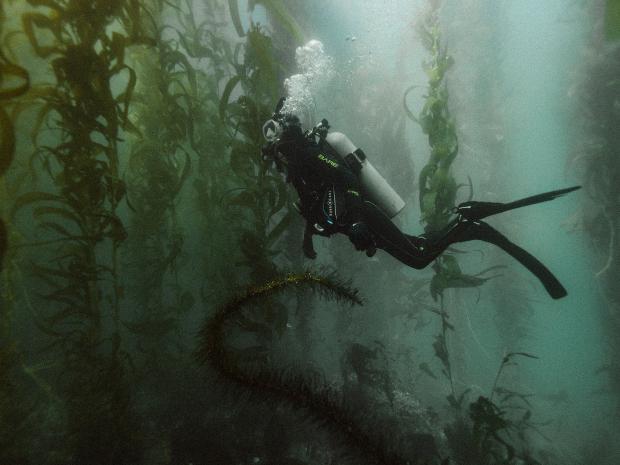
318,172
314,170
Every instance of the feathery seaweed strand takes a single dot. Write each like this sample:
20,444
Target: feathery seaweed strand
323,404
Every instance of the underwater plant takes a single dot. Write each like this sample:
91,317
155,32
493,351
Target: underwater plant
279,11
438,188
486,434
321,404
598,158
18,84
259,198
86,108
215,179
262,195
15,407
364,369
159,166
149,150
480,431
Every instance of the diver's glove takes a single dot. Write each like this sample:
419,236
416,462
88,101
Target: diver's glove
360,235
308,245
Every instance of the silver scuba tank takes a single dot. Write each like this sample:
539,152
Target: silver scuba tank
374,186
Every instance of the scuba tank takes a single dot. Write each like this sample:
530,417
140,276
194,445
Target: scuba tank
374,186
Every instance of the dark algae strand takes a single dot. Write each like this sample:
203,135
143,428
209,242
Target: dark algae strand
320,404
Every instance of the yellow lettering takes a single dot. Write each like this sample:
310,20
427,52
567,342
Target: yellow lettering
328,161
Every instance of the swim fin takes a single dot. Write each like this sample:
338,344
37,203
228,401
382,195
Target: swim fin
473,210
479,230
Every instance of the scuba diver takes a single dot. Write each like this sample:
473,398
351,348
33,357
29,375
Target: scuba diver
341,192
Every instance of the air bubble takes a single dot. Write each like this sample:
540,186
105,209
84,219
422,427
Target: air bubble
316,71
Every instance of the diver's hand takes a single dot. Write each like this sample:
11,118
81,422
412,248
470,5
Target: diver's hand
309,251
360,235
308,245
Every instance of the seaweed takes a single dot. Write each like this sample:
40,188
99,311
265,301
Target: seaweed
159,166
597,158
258,197
321,404
361,370
15,411
9,72
486,434
151,150
214,179
86,107
612,20
278,11
438,188
440,348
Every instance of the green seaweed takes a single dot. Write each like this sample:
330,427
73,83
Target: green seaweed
158,167
153,151
10,72
258,196
438,188
261,195
88,111
15,409
612,20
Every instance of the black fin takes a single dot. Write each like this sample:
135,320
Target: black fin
478,210
486,233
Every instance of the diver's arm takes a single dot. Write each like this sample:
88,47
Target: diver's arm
308,245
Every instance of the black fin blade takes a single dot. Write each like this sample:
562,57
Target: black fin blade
545,197
478,210
548,280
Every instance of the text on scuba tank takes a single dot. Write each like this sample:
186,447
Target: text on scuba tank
328,161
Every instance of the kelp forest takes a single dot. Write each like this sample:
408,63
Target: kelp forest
160,304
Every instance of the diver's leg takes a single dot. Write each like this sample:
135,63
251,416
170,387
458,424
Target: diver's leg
407,249
308,244
410,255
418,252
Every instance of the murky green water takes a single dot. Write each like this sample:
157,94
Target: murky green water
157,307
